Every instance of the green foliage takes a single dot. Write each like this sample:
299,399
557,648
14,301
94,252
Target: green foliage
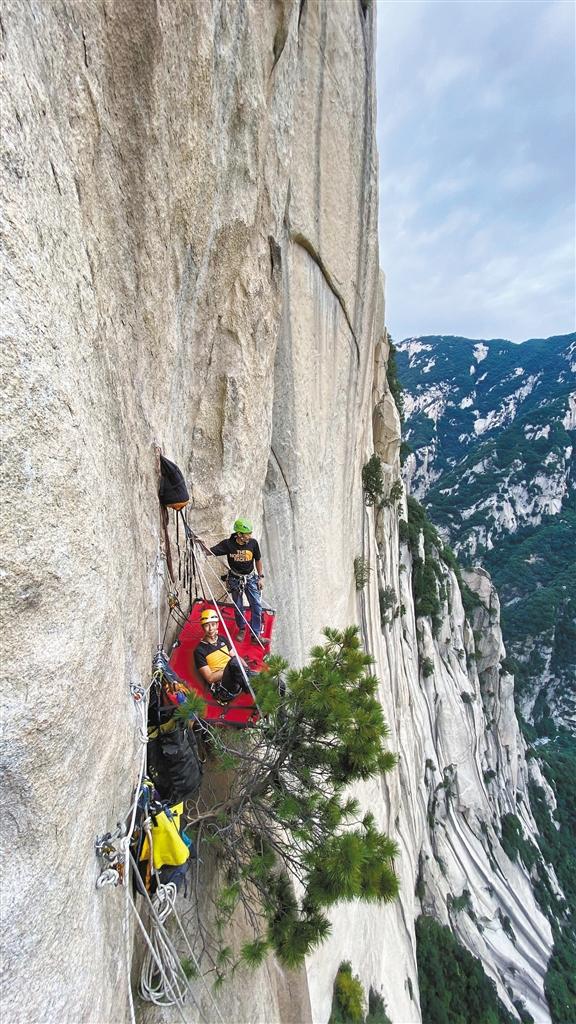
460,903
405,451
348,1001
467,698
287,803
387,600
506,925
348,998
427,667
470,599
254,953
394,382
373,481
489,775
536,583
396,491
425,588
525,1017
425,571
189,968
453,986
362,570
192,707
557,845
514,843
395,496
376,1009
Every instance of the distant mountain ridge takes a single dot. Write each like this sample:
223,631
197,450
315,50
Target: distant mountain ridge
492,427
461,394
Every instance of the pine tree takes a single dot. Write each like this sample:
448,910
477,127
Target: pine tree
287,817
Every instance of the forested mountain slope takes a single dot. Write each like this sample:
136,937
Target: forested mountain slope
492,431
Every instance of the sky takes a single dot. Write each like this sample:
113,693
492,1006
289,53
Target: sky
476,127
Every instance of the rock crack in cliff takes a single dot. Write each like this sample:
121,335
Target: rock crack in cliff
306,244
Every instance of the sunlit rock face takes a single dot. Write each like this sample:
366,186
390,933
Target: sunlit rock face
192,261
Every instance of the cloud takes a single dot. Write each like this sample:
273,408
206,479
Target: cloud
475,108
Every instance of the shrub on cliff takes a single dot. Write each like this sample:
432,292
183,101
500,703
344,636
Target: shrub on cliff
286,813
348,1001
373,481
394,381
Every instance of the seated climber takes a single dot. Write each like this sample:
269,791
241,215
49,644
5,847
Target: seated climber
215,664
244,575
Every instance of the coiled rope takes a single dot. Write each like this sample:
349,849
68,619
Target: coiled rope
167,984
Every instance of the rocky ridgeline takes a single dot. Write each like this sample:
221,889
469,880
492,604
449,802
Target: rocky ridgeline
495,423
492,426
193,261
463,772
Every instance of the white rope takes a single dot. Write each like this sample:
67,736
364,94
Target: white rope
159,576
142,705
159,980
161,976
231,642
240,609
108,877
126,931
160,908
118,873
197,965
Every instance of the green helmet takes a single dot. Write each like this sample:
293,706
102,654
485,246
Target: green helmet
242,526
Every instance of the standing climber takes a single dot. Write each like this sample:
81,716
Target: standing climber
215,663
244,574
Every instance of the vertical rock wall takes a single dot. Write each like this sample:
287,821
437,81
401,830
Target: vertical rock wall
146,170
151,246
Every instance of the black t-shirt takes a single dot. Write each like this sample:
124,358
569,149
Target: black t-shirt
241,557
215,656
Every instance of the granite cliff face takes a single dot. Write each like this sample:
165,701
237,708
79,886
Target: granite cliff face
191,259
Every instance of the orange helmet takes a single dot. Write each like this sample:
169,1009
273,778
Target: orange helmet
208,615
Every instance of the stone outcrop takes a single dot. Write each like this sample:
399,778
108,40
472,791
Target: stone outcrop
191,260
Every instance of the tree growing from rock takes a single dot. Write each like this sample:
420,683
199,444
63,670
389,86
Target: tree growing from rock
289,840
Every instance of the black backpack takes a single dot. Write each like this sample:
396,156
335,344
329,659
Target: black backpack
173,762
173,492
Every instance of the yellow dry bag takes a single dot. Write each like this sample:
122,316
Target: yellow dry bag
168,847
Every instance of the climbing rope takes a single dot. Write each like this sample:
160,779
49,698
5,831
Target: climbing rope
163,980
193,540
162,977
171,986
232,644
196,964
